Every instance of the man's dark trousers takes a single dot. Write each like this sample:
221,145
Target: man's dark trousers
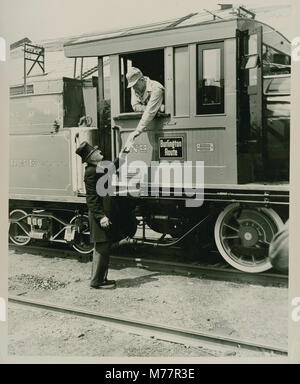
100,263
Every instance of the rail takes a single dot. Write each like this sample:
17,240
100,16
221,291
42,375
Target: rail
156,330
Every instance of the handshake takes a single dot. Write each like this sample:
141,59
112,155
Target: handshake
130,140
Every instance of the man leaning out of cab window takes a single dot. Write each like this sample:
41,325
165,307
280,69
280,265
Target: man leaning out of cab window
147,97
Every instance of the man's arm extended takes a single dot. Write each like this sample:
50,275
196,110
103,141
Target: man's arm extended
151,109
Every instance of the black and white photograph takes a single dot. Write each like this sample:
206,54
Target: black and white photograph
149,179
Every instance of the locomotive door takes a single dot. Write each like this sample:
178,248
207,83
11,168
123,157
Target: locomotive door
251,136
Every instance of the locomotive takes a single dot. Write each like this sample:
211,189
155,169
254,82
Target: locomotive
227,105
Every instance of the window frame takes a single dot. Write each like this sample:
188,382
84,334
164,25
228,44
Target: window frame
201,108
121,56
174,80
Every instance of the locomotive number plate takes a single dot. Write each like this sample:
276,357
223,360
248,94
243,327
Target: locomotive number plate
171,147
205,147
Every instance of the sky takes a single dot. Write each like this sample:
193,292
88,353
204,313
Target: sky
46,19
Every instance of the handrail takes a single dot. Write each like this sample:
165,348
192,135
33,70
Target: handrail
137,115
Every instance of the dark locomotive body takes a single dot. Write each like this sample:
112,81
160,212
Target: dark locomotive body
227,104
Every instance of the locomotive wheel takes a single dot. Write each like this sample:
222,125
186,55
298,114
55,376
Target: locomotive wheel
82,235
243,235
19,229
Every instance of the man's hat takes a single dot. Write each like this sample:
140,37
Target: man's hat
85,150
133,75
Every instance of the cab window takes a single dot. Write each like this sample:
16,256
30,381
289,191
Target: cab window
210,79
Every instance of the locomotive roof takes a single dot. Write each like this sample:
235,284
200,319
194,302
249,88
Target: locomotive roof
99,44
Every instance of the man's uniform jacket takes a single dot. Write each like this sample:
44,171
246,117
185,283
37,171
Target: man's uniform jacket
119,211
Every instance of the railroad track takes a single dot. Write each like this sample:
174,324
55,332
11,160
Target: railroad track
158,331
221,272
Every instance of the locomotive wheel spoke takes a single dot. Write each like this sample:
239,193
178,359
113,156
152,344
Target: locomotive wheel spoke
230,237
231,227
